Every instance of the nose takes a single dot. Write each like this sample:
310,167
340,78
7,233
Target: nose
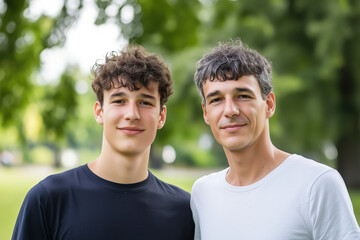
132,112
230,108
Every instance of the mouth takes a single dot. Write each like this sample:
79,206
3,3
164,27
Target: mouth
131,130
232,127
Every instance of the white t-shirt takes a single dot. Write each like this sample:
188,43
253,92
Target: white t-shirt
300,199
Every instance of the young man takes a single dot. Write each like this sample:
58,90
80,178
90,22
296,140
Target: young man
265,193
115,196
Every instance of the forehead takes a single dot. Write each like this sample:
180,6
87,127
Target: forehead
151,90
248,82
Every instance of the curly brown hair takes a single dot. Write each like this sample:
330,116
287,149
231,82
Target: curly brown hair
132,68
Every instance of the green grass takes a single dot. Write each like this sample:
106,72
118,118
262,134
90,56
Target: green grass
14,184
182,182
13,188
355,198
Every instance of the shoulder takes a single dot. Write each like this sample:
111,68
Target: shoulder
36,195
306,168
329,182
320,178
209,181
54,188
60,181
40,197
168,189
330,213
306,163
66,176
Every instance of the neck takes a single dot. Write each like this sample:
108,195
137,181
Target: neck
253,163
121,168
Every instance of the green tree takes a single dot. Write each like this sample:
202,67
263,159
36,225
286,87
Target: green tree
58,108
22,40
314,49
171,29
315,46
20,47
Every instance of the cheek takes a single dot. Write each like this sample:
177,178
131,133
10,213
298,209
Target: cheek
211,120
151,118
113,114
213,114
259,115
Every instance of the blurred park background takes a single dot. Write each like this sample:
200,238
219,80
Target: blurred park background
47,49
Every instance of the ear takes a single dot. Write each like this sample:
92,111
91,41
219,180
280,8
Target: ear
98,113
270,105
162,117
204,113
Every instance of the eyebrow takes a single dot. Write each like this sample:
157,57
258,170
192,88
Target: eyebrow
212,94
122,94
117,94
217,92
143,95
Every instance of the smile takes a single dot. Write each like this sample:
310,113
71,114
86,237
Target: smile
232,127
131,130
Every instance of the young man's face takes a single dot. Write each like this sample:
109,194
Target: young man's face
130,118
236,112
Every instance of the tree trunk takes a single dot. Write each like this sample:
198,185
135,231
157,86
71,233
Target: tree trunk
349,160
155,160
348,144
56,154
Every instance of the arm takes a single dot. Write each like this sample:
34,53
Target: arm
331,210
31,222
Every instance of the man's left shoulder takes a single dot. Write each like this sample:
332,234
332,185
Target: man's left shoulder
308,166
170,190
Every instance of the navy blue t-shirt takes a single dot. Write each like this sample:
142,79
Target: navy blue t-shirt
77,204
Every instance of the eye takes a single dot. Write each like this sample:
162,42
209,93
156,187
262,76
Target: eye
243,96
119,101
146,103
214,100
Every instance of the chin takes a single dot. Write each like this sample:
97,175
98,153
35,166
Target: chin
131,149
128,152
235,146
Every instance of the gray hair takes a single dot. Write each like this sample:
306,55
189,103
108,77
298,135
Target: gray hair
231,61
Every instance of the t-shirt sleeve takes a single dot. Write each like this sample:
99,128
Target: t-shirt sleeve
31,222
331,212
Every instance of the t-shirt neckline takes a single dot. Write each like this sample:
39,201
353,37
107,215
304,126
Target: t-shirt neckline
119,187
257,183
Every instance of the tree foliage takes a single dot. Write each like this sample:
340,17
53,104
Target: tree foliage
22,39
21,42
313,46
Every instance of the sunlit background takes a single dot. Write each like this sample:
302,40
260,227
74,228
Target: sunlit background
47,49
